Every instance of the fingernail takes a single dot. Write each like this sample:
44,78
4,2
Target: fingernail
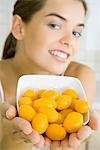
8,114
11,113
28,131
34,137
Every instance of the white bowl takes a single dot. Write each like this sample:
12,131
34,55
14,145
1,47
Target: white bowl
59,83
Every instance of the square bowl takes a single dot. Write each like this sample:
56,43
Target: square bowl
59,83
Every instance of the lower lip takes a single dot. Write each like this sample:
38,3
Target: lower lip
63,60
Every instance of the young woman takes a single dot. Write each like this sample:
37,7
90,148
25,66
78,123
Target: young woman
44,38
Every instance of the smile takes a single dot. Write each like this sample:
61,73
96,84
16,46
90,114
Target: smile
60,54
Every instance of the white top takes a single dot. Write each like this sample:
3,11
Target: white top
1,93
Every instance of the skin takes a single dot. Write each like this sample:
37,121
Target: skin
34,40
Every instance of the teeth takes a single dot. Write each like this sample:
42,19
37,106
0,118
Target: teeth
58,53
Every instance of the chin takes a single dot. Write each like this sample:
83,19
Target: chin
57,70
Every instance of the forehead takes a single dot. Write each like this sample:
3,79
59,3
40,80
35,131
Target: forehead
66,8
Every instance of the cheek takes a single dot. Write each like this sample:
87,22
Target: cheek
76,47
39,41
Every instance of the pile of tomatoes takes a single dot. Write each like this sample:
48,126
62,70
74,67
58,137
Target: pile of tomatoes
52,113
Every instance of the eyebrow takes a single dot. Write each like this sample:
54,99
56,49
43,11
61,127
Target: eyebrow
64,19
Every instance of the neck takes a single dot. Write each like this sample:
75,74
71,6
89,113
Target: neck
23,66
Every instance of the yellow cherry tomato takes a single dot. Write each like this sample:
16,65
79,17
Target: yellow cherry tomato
47,102
70,92
25,100
50,94
72,106
40,123
56,132
30,93
40,92
27,112
73,122
63,102
36,105
51,114
82,106
60,118
65,112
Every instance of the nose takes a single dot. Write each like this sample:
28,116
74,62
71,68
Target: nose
67,39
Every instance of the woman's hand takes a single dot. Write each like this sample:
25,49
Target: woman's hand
22,131
75,139
19,129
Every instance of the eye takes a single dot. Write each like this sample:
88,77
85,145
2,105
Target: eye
77,34
54,26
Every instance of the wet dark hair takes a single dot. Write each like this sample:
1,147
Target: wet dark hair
25,9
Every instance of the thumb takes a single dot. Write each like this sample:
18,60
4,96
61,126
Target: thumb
7,110
94,122
22,125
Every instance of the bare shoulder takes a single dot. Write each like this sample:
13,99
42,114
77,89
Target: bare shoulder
87,77
76,69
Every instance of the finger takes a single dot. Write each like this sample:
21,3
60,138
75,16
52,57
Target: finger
8,110
23,125
94,122
84,132
65,144
11,112
16,125
34,137
41,142
47,142
20,137
67,148
24,128
73,140
55,145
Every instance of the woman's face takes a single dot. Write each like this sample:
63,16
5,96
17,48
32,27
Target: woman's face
52,36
